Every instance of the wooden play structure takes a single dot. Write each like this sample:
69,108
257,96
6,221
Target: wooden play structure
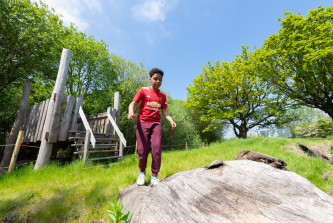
61,120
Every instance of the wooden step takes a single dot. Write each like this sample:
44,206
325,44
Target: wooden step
103,158
84,132
97,151
97,139
97,145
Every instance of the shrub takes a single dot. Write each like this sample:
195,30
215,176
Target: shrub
320,128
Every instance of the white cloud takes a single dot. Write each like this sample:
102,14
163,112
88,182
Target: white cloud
75,11
153,10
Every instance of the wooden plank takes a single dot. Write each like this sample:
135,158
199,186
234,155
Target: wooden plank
87,127
28,126
114,111
97,116
42,120
108,126
35,122
103,158
26,120
86,146
40,116
65,121
93,125
97,125
18,125
97,151
122,138
121,148
16,151
103,125
55,119
78,103
117,115
97,139
98,145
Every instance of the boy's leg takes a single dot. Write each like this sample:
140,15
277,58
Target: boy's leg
156,150
143,141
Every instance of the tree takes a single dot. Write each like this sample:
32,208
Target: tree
300,115
236,93
27,48
90,68
299,58
186,130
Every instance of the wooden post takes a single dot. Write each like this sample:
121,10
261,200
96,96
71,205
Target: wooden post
18,124
46,147
121,150
78,103
86,146
65,121
55,119
117,118
186,146
16,151
116,100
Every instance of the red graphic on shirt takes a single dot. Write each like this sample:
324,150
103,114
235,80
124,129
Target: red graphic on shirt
151,103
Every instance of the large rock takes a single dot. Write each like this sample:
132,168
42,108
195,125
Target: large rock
232,191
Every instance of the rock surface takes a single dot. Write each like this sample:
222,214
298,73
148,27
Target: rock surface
234,191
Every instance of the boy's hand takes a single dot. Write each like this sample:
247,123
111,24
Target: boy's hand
131,116
173,125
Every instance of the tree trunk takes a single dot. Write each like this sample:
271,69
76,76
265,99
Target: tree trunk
233,191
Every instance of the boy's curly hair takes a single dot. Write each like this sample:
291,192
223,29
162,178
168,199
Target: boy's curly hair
154,71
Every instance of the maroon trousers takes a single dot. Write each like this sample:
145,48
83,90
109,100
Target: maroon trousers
149,134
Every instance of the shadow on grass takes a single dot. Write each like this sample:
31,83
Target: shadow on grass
64,206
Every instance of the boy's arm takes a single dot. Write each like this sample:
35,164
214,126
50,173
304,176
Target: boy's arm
167,116
131,115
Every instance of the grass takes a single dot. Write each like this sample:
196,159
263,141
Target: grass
77,193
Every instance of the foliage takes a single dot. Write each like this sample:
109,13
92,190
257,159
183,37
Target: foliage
296,116
130,78
27,49
299,58
209,131
116,213
235,92
9,100
186,130
319,128
90,67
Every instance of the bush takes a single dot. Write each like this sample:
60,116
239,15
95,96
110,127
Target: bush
321,128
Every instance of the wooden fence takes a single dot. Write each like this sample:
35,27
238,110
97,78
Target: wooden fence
64,120
61,121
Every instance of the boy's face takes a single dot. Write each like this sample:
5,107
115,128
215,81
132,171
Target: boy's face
156,81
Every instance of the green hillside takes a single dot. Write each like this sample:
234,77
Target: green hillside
77,193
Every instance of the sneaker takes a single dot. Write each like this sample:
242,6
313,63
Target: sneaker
141,178
154,181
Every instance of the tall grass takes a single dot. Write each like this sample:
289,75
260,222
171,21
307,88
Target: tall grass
77,193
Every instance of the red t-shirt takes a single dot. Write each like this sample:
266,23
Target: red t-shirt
151,103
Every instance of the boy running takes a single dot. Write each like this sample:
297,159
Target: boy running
149,127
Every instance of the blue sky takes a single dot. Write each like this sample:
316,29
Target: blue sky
179,36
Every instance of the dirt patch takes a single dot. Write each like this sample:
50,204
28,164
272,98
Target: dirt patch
327,175
295,149
321,150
